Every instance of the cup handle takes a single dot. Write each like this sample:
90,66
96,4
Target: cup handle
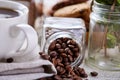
31,36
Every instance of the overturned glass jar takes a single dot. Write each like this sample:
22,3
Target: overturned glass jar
64,39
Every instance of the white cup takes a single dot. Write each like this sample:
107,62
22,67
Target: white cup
15,31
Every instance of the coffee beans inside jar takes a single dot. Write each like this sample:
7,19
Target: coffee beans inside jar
64,50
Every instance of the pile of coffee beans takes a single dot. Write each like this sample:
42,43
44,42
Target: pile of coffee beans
64,72
62,52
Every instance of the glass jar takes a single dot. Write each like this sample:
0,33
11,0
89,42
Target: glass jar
66,37
104,37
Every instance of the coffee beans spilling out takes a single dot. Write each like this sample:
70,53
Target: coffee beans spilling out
64,72
62,52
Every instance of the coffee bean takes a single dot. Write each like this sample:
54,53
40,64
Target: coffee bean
54,61
76,49
66,63
9,60
65,39
69,42
70,58
77,72
70,52
53,54
58,60
72,42
60,70
64,45
67,49
52,45
60,64
59,41
57,77
63,55
44,56
61,50
94,74
68,68
65,59
71,46
77,78
83,73
58,46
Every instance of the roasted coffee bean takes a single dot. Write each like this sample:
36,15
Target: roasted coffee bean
77,72
44,56
66,63
64,45
77,78
60,64
58,46
63,76
71,46
69,76
76,49
72,73
61,50
80,72
70,58
83,74
58,60
57,77
43,79
76,55
63,55
94,74
68,68
72,42
49,78
41,53
69,42
60,70
67,49
65,59
53,54
70,52
52,45
65,39
54,61
9,60
59,41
